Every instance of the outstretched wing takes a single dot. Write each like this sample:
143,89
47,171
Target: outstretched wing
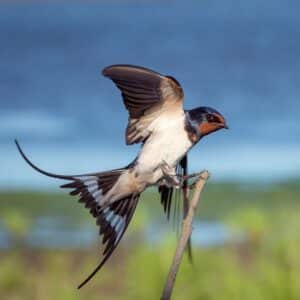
146,95
169,195
112,218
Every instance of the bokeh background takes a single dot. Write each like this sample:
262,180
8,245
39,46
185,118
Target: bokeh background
240,57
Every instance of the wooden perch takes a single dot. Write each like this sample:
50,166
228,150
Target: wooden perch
186,231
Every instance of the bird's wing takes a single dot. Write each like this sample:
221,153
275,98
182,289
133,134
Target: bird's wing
112,218
146,95
169,195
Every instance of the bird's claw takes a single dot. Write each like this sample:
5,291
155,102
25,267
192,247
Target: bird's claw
196,176
177,181
170,177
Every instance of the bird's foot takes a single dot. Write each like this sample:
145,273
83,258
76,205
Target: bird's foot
178,181
170,178
194,176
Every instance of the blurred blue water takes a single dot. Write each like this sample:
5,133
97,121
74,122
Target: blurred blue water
240,57
58,233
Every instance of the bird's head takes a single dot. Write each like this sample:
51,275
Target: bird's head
205,120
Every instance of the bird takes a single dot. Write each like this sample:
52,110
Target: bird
166,132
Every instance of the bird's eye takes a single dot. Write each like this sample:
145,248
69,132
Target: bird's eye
212,118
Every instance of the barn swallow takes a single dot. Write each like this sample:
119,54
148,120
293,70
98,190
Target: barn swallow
166,133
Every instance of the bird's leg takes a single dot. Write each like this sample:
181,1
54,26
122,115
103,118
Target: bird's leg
170,178
193,175
190,176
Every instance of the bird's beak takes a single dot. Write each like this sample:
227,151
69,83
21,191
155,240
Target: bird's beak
225,126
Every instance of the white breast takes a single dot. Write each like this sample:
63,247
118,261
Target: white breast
168,142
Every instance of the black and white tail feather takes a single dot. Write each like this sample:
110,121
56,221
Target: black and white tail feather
112,218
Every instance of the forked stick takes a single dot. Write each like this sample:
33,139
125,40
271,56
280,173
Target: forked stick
186,231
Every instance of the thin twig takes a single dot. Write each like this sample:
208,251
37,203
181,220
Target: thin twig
186,201
184,236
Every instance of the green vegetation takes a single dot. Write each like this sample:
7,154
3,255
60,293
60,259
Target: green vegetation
264,265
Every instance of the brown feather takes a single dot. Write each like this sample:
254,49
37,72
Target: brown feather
146,94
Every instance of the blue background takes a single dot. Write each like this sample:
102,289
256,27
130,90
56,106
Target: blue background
241,58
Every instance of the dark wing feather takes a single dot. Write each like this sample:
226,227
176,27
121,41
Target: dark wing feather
168,195
142,88
146,94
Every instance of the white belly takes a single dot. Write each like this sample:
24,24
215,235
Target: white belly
168,143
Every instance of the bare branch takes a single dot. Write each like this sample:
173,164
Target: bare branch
186,232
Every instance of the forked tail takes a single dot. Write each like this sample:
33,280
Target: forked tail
113,218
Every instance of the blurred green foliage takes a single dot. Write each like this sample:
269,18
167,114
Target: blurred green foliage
263,265
16,223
